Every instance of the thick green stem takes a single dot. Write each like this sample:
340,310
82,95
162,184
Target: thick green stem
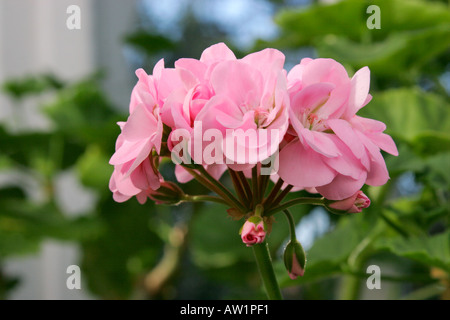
264,262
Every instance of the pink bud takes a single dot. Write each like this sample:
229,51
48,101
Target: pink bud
253,232
294,259
353,204
296,269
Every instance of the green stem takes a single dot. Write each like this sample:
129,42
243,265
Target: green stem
290,203
204,198
231,201
264,181
224,192
246,185
273,193
239,189
255,185
291,222
283,194
264,262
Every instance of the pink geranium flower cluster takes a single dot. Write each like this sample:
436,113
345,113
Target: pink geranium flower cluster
257,121
304,119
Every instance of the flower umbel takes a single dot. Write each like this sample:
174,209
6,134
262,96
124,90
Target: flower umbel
242,117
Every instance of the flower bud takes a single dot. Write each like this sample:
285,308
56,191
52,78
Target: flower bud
353,204
168,193
253,231
294,259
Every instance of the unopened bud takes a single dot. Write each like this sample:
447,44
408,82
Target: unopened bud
253,231
294,259
353,204
168,193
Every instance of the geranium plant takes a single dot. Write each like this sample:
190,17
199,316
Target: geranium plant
255,121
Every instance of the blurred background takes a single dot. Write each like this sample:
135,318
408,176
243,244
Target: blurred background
63,90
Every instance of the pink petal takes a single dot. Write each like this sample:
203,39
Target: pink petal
346,133
346,164
269,62
302,166
341,187
145,177
238,81
157,69
324,70
128,151
334,107
140,125
197,68
216,170
321,143
307,99
384,142
359,91
217,52
182,175
170,80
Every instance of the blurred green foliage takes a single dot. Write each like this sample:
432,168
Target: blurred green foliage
194,251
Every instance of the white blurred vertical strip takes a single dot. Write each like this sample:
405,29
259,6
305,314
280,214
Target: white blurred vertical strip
68,53
33,39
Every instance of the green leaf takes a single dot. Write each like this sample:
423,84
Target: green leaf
93,168
412,115
349,17
394,56
24,225
215,238
126,248
429,250
31,85
83,113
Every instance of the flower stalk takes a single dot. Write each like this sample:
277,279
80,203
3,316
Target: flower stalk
264,262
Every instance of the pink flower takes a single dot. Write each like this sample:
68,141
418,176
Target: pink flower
353,204
190,91
249,108
188,86
253,232
134,170
334,151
